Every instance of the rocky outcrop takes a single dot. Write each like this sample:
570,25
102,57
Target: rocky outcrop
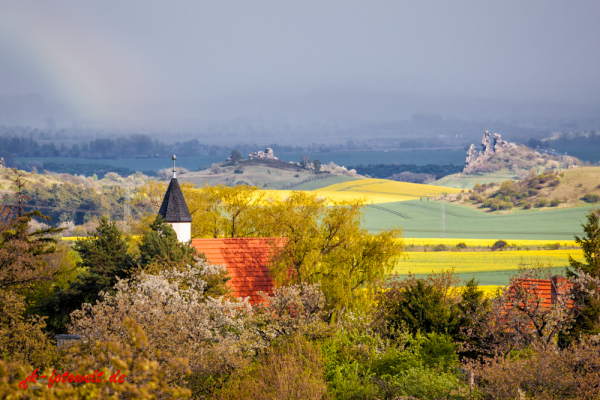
268,153
485,144
2,164
472,155
500,145
488,149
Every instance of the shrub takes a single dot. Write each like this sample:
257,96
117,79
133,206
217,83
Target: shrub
113,176
527,206
461,245
544,372
361,366
554,202
440,247
554,182
143,376
418,305
207,335
215,168
591,197
476,198
292,370
500,244
541,203
238,171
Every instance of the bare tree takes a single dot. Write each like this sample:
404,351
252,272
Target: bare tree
305,161
521,315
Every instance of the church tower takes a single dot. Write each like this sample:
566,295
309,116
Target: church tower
174,210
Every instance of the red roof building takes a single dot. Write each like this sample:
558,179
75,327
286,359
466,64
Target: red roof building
247,261
549,291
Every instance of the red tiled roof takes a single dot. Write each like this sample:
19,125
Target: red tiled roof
547,289
246,260
541,288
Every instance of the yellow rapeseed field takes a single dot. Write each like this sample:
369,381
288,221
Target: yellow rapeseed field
482,261
485,242
490,290
376,191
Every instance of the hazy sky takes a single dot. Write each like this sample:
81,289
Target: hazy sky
118,58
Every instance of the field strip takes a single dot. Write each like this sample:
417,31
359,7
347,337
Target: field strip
347,196
490,290
485,242
374,191
484,261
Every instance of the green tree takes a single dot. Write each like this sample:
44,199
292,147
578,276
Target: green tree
586,294
326,245
105,257
419,305
160,244
22,252
472,303
590,244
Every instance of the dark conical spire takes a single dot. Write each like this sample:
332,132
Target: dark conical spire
174,207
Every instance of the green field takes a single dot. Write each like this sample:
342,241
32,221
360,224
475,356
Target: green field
421,219
462,181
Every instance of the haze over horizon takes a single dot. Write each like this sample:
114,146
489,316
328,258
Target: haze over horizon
153,65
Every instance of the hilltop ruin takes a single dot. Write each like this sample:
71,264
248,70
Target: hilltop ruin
475,157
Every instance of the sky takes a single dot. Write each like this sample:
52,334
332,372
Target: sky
150,60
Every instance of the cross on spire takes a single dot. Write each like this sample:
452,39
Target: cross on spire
174,171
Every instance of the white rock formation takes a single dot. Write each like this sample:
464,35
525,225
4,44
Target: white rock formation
487,150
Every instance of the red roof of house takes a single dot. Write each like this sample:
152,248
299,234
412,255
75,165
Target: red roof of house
541,288
548,290
246,260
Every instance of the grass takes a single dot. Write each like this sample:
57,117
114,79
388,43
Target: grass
467,181
491,268
421,219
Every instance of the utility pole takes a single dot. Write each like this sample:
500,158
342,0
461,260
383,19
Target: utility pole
443,216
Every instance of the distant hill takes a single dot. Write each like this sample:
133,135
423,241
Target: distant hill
508,163
574,187
266,173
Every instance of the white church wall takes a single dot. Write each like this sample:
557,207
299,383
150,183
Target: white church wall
183,230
